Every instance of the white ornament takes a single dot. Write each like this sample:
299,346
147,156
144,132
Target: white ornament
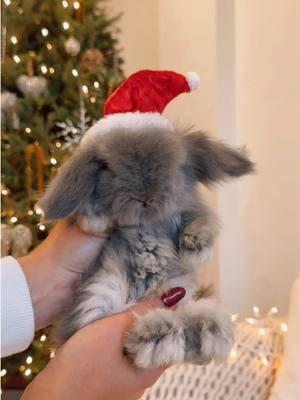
32,85
15,240
21,240
8,101
72,46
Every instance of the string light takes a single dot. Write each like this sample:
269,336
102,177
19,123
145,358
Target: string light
66,25
16,58
233,354
27,372
51,70
261,331
284,327
14,219
273,311
49,46
256,311
264,360
22,368
234,317
29,360
39,211
76,5
3,372
250,321
14,40
30,212
96,85
93,99
43,338
44,32
58,145
85,89
44,69
52,354
4,192
20,10
42,228
53,161
74,72
65,4
27,129
7,2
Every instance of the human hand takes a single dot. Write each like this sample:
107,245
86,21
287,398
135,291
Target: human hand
91,364
53,268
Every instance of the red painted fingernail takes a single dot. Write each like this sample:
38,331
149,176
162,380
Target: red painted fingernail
173,296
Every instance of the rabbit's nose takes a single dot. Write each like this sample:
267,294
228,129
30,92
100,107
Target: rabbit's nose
147,198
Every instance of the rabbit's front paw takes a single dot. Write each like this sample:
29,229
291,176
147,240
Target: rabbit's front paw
196,246
156,340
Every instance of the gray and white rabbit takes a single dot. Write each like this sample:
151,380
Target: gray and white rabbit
143,183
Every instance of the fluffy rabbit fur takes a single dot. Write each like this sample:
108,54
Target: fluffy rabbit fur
144,184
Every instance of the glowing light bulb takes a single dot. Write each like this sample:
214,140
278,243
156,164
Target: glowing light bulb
74,72
16,58
7,2
44,69
53,161
30,212
250,321
43,338
264,360
65,4
44,32
27,372
29,360
14,40
234,317
261,331
42,228
256,310
93,99
96,85
85,89
274,310
49,46
51,70
4,192
27,129
39,211
76,5
14,220
284,327
66,25
3,372
233,353
52,354
58,145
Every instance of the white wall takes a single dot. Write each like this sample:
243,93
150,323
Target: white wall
246,54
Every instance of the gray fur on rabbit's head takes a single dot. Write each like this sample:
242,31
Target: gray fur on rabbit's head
139,177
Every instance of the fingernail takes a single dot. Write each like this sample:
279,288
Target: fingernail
173,296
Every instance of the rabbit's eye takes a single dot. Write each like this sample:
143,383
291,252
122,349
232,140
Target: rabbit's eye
104,166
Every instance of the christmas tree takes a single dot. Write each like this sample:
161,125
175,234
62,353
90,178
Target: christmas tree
60,61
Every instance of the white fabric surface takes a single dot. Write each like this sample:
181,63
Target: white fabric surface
17,317
287,385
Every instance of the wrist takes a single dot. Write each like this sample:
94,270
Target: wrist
47,294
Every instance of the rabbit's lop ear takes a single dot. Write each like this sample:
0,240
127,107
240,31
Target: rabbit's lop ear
211,161
73,184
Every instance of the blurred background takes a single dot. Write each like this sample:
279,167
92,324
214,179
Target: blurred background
62,59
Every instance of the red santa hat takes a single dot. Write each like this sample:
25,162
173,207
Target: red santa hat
140,100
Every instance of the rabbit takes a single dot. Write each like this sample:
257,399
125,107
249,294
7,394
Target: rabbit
142,184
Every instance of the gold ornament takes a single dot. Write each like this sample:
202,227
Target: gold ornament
92,58
41,161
